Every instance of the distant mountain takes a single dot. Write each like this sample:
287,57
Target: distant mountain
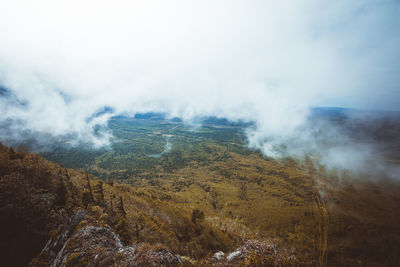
350,112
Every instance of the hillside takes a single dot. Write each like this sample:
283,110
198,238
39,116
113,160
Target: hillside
166,187
39,198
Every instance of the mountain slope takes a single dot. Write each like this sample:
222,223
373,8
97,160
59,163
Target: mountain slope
39,199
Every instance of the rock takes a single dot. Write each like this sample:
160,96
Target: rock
233,255
84,241
219,255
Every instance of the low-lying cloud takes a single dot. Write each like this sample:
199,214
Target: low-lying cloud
268,62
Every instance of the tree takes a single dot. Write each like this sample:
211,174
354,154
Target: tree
98,193
61,193
242,194
197,215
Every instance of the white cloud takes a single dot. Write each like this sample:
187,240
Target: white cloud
264,61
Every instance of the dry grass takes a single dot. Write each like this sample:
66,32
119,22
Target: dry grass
320,226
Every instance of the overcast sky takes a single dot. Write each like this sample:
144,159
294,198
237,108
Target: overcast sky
265,61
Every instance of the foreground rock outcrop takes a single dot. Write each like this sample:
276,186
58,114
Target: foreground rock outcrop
86,241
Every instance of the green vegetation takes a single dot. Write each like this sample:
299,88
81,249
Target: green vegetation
141,148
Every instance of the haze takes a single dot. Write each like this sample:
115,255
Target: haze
61,62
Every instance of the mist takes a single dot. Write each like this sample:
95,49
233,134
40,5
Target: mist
63,63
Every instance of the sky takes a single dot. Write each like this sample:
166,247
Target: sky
268,62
